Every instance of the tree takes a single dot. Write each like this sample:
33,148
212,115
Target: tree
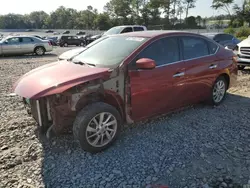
223,5
190,22
198,20
188,4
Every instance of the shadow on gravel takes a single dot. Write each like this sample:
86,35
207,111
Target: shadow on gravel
178,150
27,56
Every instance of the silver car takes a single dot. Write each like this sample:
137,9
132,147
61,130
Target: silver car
24,45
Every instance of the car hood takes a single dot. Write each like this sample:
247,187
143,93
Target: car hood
55,78
244,43
68,54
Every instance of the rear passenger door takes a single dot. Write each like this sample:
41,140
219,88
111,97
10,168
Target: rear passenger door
200,68
27,44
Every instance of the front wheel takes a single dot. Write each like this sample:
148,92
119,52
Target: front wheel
219,91
97,126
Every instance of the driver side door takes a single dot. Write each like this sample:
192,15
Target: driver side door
156,91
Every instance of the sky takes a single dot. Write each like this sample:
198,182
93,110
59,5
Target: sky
26,6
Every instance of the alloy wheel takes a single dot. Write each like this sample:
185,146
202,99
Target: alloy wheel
101,129
219,91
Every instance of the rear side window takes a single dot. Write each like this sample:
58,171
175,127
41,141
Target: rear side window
27,40
212,47
127,30
194,47
138,29
163,51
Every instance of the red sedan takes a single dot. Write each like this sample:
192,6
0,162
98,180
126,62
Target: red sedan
126,78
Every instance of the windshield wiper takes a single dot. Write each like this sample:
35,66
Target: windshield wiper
82,63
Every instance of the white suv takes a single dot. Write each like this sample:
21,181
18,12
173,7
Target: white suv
242,50
125,29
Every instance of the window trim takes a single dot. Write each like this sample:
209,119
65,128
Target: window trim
181,51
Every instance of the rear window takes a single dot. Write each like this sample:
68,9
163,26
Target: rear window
110,51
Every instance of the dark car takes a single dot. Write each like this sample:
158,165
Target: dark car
70,40
53,40
66,32
49,31
92,38
81,33
123,79
224,39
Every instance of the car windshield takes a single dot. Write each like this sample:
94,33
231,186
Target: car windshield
110,51
113,31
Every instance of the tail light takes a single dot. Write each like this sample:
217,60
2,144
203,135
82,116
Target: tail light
49,43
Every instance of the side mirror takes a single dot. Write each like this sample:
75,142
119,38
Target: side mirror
145,63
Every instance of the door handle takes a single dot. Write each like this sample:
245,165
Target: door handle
213,66
179,74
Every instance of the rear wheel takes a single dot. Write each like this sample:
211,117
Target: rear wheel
219,91
241,67
82,44
97,126
65,44
39,50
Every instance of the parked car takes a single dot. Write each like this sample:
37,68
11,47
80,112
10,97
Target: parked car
24,45
73,52
149,73
118,30
81,33
66,32
226,40
69,40
242,50
49,31
53,40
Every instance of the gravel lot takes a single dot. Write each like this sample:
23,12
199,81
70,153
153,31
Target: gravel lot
196,147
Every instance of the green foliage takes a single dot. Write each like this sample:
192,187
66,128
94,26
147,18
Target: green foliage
116,12
243,32
230,30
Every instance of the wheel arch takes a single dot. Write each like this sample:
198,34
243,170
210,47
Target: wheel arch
227,78
39,46
108,97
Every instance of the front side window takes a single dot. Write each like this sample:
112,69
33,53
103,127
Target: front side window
110,51
162,51
194,47
127,30
13,40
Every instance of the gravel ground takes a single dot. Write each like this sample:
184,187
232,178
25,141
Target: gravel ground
201,146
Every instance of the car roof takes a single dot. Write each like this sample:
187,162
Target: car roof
154,33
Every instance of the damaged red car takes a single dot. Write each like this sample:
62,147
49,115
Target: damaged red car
123,79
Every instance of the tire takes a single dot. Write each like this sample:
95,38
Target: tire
81,44
40,50
85,120
221,86
65,44
241,67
